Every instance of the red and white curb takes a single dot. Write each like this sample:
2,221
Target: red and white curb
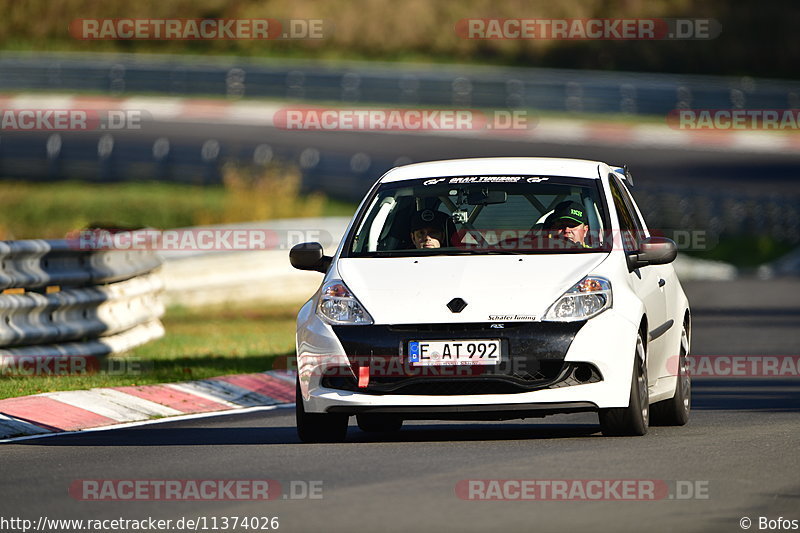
55,412
550,130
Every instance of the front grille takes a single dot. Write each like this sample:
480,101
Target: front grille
532,357
551,376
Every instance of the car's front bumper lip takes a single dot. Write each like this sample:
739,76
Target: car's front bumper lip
429,381
536,403
470,412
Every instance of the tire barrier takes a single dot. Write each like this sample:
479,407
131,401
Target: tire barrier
60,300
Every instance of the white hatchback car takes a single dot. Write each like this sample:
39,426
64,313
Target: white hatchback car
493,289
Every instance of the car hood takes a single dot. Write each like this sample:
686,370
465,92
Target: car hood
496,288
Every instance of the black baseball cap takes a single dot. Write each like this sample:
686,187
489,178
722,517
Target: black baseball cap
428,218
570,211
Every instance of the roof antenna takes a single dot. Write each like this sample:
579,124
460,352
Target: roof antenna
628,176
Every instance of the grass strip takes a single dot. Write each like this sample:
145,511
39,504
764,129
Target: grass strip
199,343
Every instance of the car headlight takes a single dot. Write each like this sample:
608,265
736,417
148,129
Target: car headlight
338,306
587,298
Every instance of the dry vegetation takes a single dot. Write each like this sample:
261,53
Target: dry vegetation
375,27
757,37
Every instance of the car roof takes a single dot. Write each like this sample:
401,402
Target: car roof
496,166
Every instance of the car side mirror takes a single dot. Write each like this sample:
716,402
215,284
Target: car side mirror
309,256
653,251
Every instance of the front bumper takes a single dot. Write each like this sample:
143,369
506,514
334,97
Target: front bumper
538,376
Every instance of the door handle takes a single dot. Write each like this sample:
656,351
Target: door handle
661,282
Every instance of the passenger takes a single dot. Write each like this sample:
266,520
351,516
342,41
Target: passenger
569,222
429,229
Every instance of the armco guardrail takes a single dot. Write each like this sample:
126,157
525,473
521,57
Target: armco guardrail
34,264
409,84
197,278
74,302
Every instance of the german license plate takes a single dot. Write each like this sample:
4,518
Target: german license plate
454,352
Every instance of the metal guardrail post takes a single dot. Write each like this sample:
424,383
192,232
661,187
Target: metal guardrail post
53,151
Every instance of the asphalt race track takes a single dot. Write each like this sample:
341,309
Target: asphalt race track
739,453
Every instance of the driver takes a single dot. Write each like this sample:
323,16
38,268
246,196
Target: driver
569,222
428,229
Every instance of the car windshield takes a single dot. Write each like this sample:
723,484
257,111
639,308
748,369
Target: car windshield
481,215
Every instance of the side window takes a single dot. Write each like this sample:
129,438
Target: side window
627,219
631,205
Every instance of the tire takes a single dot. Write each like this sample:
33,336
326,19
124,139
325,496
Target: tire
634,419
675,411
375,423
318,427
